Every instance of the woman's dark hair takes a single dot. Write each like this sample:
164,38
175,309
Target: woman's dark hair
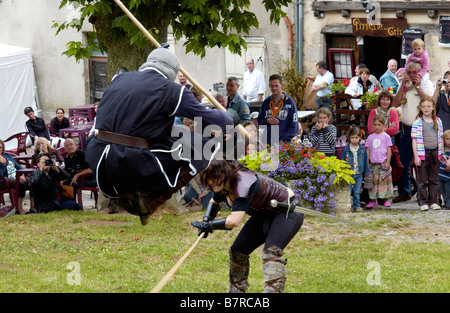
385,94
60,109
221,172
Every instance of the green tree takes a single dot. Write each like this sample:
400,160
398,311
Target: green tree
204,23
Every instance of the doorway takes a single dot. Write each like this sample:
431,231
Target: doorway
377,51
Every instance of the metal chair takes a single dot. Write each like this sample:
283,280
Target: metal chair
21,143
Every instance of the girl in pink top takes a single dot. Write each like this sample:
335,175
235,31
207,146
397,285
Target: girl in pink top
420,55
378,146
384,104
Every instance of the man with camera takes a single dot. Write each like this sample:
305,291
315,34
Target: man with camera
411,91
45,188
442,99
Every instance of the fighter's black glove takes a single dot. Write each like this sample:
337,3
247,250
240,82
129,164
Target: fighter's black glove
211,211
208,227
234,115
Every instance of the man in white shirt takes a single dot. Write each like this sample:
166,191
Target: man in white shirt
254,84
322,86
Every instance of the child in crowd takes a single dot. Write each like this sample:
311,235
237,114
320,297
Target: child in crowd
420,55
379,181
356,156
323,134
426,134
444,172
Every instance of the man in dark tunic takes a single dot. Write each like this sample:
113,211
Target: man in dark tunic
138,156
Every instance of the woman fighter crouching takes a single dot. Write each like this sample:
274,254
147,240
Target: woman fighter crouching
250,192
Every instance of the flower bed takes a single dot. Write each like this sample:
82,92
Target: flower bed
319,182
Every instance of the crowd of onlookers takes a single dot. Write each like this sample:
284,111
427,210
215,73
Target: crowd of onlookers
411,122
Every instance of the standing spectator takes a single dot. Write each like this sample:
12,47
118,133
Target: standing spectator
389,78
254,83
379,181
442,100
44,185
428,147
410,91
384,106
183,82
444,171
35,125
278,110
323,134
322,86
235,101
356,156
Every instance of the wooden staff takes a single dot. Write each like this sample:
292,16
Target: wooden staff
240,128
169,275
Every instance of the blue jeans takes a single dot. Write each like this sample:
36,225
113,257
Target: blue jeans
444,187
355,190
192,194
69,205
406,156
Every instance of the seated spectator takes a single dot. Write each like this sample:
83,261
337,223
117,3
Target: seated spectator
76,165
252,131
93,131
35,125
59,122
8,168
42,145
221,98
301,134
442,99
384,107
198,192
372,78
359,87
45,188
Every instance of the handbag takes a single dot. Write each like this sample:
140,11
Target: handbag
68,192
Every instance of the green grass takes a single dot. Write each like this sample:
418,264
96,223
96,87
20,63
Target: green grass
36,252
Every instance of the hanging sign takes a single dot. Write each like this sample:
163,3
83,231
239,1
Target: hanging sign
388,27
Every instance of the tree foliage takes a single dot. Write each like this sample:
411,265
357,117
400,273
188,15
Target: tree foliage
204,23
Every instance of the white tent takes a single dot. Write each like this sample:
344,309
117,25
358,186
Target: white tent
17,90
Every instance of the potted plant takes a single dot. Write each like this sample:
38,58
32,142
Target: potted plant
369,99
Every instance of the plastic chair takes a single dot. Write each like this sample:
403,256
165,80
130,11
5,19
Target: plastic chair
21,143
83,187
5,188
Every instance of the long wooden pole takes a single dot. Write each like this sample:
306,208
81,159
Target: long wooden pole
213,100
172,272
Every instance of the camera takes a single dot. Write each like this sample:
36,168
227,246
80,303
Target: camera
48,162
445,81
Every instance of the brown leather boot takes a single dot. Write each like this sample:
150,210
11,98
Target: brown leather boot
239,269
274,266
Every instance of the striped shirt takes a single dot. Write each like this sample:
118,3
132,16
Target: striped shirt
324,139
417,133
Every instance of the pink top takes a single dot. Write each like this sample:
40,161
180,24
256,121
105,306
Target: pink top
422,59
377,145
392,128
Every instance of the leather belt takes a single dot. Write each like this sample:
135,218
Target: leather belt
124,140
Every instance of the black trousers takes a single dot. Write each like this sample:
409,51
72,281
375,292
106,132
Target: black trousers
275,231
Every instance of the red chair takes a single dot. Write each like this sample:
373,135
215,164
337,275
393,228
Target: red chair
21,143
5,188
83,187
